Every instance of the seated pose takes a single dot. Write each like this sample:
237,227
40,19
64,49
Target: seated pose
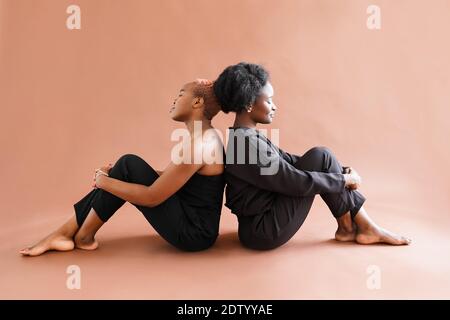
272,195
183,203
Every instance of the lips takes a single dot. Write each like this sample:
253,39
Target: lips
171,109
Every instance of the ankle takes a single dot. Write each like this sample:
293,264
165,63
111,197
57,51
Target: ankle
346,229
346,226
66,233
84,237
368,229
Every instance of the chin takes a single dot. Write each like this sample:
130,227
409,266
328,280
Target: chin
177,118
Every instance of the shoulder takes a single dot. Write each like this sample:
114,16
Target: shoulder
211,140
208,145
243,134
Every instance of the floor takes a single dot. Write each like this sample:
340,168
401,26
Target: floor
133,262
74,100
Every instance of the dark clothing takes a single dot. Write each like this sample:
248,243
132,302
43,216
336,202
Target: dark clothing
189,219
271,205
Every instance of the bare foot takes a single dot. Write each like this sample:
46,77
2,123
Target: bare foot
346,230
85,242
380,235
54,241
345,235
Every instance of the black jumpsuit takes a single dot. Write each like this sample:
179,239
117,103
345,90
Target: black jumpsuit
271,207
189,219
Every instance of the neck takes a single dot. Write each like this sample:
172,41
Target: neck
243,120
190,124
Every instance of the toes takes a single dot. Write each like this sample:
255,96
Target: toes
406,240
399,240
25,252
32,252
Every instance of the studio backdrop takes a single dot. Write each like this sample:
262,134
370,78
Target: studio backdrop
84,82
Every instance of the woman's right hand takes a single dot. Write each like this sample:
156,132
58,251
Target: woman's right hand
352,178
96,173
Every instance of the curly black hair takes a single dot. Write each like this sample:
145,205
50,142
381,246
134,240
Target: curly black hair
239,85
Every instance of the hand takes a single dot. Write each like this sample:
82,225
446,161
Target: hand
98,174
352,178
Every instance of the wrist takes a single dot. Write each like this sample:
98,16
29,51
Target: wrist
101,181
347,179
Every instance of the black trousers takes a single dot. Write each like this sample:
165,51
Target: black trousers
168,218
273,229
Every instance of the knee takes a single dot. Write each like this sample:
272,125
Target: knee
321,150
132,168
319,154
120,170
127,157
321,158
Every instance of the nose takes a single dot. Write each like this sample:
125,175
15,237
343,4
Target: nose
274,106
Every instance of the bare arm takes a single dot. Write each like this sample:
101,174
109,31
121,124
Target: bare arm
131,192
174,177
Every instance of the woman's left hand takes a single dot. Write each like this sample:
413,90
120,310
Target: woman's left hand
349,170
98,175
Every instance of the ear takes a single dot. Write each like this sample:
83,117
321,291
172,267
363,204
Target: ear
198,102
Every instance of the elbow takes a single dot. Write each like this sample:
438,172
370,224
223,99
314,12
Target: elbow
151,201
153,198
151,204
148,202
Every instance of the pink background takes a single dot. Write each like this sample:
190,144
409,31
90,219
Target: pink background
73,100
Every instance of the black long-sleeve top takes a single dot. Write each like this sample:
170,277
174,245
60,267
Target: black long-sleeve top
256,171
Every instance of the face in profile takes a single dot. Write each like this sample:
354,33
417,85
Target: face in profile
263,110
185,103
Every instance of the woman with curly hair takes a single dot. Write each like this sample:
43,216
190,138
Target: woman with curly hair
272,202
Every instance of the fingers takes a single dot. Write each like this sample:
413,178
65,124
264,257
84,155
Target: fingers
106,168
354,173
347,169
355,178
96,172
